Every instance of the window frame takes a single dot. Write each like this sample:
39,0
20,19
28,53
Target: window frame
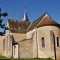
57,41
43,44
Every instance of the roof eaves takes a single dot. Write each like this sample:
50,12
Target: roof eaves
29,26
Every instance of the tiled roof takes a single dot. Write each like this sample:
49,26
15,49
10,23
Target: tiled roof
44,20
35,22
17,25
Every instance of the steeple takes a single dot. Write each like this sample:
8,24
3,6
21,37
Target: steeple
25,17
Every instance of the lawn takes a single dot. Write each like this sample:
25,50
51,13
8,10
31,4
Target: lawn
4,58
23,59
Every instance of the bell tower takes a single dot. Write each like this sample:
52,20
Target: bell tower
25,16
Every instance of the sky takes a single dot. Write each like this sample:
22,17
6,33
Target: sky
34,8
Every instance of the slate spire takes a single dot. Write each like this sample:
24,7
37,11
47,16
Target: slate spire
25,17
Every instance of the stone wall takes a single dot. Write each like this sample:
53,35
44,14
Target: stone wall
32,34
48,51
26,49
58,48
19,36
38,33
1,45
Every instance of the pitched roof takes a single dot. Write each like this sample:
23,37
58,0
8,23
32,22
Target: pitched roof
17,25
44,20
47,20
33,24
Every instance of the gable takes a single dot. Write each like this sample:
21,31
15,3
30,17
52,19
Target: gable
44,20
47,20
35,22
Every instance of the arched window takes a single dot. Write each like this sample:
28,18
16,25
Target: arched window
57,41
43,42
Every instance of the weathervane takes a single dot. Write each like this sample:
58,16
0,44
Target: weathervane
2,25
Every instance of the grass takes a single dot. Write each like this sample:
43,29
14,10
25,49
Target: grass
36,59
4,58
25,59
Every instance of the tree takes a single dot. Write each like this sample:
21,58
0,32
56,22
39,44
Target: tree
2,25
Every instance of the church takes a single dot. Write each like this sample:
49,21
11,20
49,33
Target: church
25,39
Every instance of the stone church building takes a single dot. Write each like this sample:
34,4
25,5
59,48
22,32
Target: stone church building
25,39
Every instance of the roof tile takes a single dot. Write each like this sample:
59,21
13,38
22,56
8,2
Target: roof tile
18,25
44,20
